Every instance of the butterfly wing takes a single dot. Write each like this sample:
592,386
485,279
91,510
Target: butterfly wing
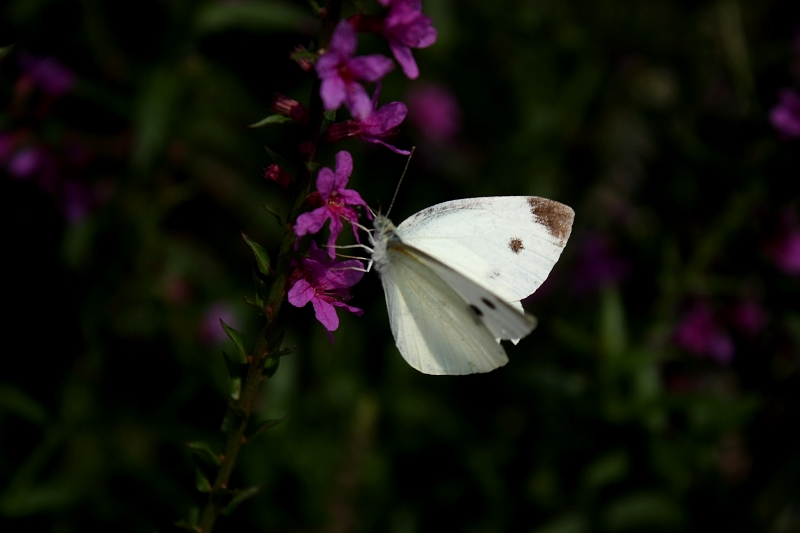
508,244
443,322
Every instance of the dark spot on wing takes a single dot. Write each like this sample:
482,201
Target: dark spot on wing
489,304
515,245
476,310
556,217
495,274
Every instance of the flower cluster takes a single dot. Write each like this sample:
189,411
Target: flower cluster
320,278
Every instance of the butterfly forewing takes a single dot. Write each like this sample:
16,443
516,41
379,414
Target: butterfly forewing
434,327
508,244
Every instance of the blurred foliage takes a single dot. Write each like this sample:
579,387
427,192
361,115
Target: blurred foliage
649,118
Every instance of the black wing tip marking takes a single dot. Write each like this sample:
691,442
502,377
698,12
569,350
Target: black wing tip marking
555,216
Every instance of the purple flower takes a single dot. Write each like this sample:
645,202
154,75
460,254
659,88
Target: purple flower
339,72
34,162
324,282
786,252
383,122
211,330
405,27
338,203
700,334
597,264
48,73
785,116
434,111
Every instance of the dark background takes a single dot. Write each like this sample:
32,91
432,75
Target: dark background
650,119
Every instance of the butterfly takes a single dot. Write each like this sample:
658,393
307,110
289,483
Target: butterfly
454,274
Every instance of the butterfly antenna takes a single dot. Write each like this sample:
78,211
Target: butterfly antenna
413,148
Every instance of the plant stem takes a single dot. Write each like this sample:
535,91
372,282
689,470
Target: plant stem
241,410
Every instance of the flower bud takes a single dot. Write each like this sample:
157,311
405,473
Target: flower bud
283,105
277,175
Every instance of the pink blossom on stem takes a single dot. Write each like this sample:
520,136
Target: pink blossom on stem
381,123
699,333
434,111
324,282
785,116
338,203
340,72
405,27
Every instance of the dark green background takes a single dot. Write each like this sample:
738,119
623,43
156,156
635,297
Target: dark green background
649,118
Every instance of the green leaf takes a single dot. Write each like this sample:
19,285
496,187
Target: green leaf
201,481
257,303
236,372
254,16
264,426
262,258
238,340
271,366
274,212
203,451
281,162
304,54
641,511
5,50
13,400
239,496
154,115
271,119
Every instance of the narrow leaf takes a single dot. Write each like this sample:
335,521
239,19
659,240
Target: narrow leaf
201,481
304,55
262,258
271,119
271,366
253,16
264,426
239,496
236,372
203,450
5,50
257,303
274,212
238,340
281,162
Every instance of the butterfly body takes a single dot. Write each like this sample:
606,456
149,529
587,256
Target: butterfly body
454,275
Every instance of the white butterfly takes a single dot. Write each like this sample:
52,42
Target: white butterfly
454,275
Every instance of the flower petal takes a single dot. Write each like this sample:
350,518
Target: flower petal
344,166
403,56
301,293
370,68
326,183
326,314
333,92
357,101
344,39
311,222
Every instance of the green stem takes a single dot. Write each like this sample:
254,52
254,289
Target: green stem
241,410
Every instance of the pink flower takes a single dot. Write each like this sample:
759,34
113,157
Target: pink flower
48,73
339,72
338,203
699,333
785,116
383,122
324,282
404,28
434,111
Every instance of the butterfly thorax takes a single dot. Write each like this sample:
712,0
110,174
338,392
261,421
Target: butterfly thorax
383,233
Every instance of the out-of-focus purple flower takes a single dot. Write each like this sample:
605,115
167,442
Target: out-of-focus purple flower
785,116
381,123
434,111
49,74
340,72
785,252
324,282
597,265
405,27
34,162
211,330
76,201
699,333
749,317
339,203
